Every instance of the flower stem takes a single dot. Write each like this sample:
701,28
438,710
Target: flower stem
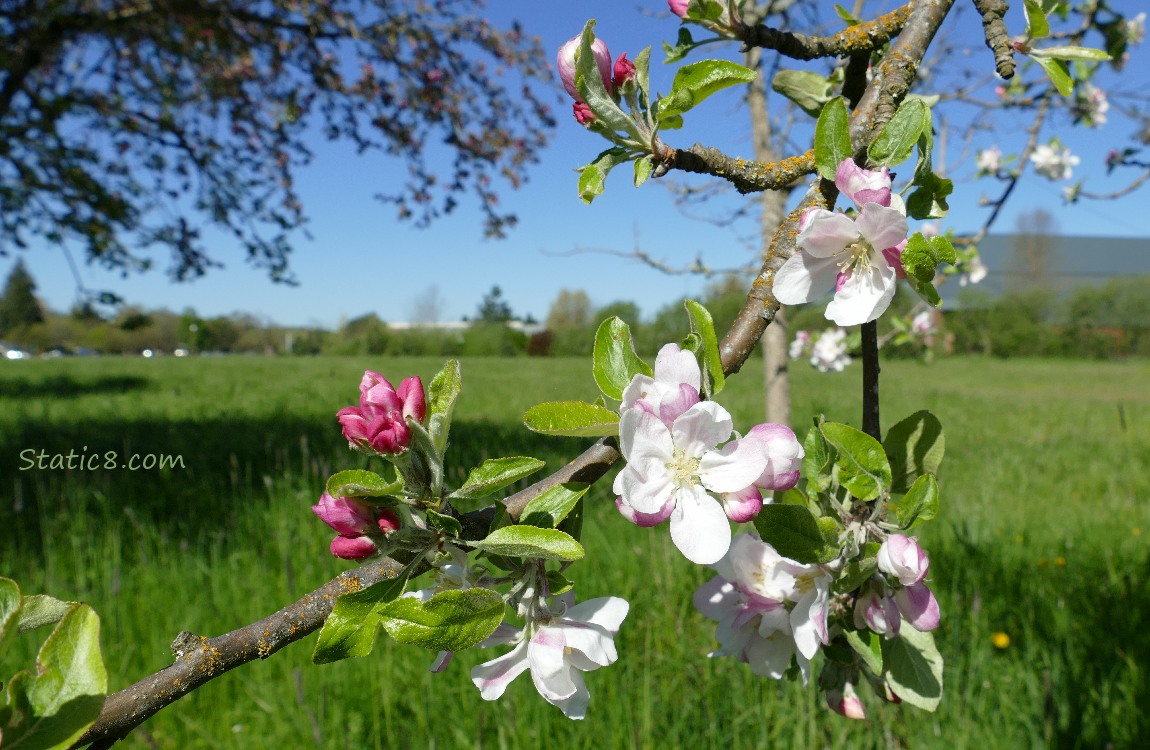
870,417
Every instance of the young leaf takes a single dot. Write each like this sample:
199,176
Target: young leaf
1037,26
441,396
571,418
589,84
806,88
360,483
41,609
817,459
593,176
862,464
1085,54
683,45
350,628
914,668
66,693
614,362
643,167
10,600
795,533
494,474
915,446
898,137
448,621
920,504
1058,72
548,509
869,650
447,524
710,362
832,138
532,542
697,81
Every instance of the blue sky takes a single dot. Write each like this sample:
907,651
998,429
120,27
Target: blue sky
361,259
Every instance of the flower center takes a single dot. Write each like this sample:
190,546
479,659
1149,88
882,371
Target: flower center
684,469
856,256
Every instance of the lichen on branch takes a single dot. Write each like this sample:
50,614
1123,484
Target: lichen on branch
863,37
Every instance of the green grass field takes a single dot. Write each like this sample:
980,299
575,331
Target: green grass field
1043,536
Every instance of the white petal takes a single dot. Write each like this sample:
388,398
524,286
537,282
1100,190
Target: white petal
699,527
636,390
643,434
865,295
804,278
549,669
771,656
701,428
493,677
607,612
642,494
882,227
716,598
591,642
674,366
737,465
574,707
827,233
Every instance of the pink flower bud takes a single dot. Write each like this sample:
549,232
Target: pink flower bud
900,556
624,70
379,423
846,702
679,7
565,60
410,391
644,519
344,514
918,607
353,547
877,613
388,520
863,185
744,505
583,113
783,452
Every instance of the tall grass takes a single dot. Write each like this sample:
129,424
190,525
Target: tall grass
1041,536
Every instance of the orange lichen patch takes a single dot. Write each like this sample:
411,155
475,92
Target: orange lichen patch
264,648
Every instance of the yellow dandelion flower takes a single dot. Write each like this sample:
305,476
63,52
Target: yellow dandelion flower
1000,640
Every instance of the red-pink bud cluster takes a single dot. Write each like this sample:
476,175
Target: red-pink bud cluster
379,423
356,522
614,76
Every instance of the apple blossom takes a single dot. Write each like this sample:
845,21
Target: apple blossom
830,351
624,71
799,345
1053,162
671,469
565,61
769,607
679,7
556,650
973,272
922,323
1091,105
379,423
845,702
989,160
783,453
901,556
877,611
851,255
672,390
1134,29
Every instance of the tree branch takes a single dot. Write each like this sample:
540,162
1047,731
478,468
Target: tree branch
863,37
997,37
870,416
748,176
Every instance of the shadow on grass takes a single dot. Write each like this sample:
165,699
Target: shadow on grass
64,386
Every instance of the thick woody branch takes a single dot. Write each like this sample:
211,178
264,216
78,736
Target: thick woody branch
863,37
200,659
747,175
997,38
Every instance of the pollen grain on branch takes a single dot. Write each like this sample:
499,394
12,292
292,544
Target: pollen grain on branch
863,37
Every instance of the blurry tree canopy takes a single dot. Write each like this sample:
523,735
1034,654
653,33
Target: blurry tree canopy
493,308
571,309
127,125
19,306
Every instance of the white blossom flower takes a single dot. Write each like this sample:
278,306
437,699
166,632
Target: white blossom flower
673,389
799,345
989,160
1053,161
769,607
1091,105
581,638
1135,29
830,351
973,272
670,471
851,255
922,323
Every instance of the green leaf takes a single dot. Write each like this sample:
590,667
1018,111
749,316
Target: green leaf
846,15
9,608
494,474
926,291
593,176
350,628
898,137
928,201
914,668
40,610
862,465
683,46
571,418
441,396
920,504
643,167
795,533
921,257
1037,26
1058,72
915,446
532,542
869,650
448,621
711,363
643,76
447,524
806,88
833,138
697,81
548,509
857,572
557,583
614,362
360,483
1086,54
65,695
589,84
817,459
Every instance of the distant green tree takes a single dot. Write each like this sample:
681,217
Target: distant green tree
571,309
19,307
493,308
